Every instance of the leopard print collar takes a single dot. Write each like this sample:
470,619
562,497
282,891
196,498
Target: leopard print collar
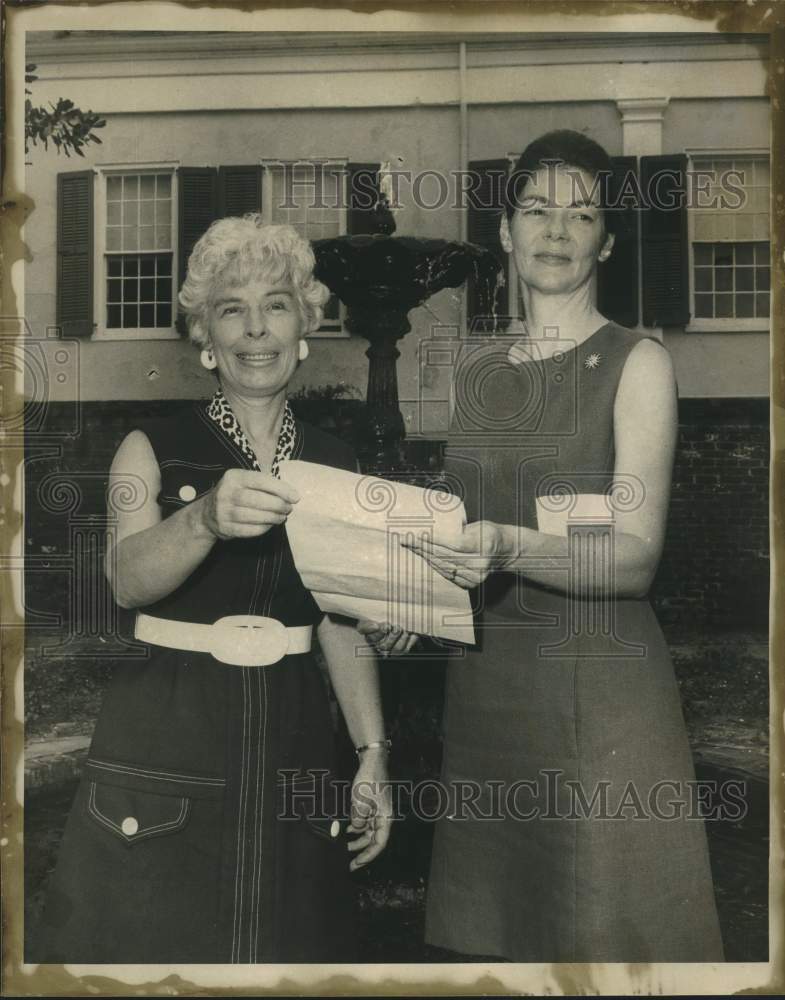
221,412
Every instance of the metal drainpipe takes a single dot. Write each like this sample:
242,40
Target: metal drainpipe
463,130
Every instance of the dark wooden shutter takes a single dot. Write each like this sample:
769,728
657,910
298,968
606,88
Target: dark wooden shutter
198,207
665,259
362,194
239,190
75,253
484,205
617,282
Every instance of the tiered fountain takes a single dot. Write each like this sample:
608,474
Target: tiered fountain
380,278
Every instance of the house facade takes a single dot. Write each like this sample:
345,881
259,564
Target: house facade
200,125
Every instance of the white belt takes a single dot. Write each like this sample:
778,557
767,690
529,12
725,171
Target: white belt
242,640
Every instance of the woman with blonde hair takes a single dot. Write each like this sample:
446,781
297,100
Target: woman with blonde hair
206,827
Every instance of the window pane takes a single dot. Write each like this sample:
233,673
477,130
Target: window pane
130,187
723,305
723,255
114,290
307,196
163,213
147,290
147,266
745,279
130,289
762,253
762,172
163,316
147,186
147,315
130,316
113,238
762,305
113,213
163,186
162,238
146,241
760,200
130,239
114,188
745,305
146,212
703,279
164,263
724,279
114,266
744,253
163,289
762,279
130,213
113,317
704,253
131,266
703,307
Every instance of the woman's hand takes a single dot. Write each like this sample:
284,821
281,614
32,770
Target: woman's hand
372,813
387,639
245,504
481,549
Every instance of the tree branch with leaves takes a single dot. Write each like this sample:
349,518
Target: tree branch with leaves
66,126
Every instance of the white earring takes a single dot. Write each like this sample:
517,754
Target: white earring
304,350
208,359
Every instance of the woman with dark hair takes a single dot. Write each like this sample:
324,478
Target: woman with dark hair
572,833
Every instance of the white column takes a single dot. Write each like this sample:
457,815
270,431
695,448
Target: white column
641,125
641,129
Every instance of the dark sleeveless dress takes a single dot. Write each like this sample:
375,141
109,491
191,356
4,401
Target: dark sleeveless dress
561,701
193,751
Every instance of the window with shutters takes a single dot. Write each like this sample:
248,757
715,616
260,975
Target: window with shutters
312,197
729,238
135,239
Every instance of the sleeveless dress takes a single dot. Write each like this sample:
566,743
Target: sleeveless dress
174,851
565,719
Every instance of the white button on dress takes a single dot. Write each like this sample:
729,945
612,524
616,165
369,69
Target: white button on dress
187,493
130,826
335,828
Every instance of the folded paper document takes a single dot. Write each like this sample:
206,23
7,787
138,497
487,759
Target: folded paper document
346,534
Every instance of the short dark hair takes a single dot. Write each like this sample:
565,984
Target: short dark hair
562,146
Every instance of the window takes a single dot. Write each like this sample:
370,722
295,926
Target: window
135,291
125,232
311,196
729,242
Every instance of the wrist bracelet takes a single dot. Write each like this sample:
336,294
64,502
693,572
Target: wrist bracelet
376,745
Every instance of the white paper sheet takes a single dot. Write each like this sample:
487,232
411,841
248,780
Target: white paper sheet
345,534
554,513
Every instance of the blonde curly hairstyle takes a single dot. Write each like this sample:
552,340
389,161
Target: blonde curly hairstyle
236,250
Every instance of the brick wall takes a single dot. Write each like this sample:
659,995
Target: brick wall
714,573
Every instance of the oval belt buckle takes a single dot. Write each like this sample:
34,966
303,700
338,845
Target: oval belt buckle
249,640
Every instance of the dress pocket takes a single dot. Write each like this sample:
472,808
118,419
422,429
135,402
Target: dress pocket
136,803
133,815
